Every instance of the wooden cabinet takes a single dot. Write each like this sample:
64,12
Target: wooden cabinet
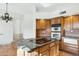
44,50
50,49
71,22
75,22
57,48
54,49
33,53
68,23
48,23
45,53
71,45
41,26
61,43
78,46
71,48
56,20
45,47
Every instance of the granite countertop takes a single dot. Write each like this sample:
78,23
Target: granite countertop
31,44
72,37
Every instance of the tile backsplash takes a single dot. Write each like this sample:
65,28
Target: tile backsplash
74,33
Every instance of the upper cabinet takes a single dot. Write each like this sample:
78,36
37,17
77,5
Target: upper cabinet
68,23
42,23
56,20
75,22
48,23
71,22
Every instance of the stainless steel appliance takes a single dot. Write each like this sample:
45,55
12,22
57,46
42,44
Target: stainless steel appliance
55,35
56,31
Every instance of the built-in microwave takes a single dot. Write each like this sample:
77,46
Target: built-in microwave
55,28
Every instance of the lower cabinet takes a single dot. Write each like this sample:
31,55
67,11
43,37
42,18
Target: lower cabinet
71,48
57,48
54,48
50,49
71,45
44,53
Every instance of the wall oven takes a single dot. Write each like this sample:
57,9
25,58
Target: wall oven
56,31
55,28
55,35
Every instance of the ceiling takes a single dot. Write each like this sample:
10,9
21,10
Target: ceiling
56,6
38,7
20,8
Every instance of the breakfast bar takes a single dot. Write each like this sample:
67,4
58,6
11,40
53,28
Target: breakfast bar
34,48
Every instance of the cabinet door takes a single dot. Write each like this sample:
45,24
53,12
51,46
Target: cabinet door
57,48
68,23
78,45
40,24
75,22
55,21
52,51
45,53
44,48
60,44
71,48
48,23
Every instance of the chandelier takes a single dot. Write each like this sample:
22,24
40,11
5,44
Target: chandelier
6,15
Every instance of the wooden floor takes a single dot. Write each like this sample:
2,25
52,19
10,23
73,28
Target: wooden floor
11,50
63,53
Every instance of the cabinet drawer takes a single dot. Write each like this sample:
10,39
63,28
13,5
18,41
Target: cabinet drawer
43,48
45,53
52,44
52,51
71,48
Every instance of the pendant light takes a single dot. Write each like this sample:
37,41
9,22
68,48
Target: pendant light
6,15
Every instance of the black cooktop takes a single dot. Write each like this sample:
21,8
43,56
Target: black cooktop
42,40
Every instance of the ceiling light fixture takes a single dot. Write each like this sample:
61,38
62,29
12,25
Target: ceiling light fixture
6,15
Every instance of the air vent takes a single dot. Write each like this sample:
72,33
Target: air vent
63,12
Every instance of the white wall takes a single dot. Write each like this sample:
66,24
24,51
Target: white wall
29,25
43,15
23,21
12,27
6,32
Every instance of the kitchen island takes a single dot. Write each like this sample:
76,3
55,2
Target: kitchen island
34,47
